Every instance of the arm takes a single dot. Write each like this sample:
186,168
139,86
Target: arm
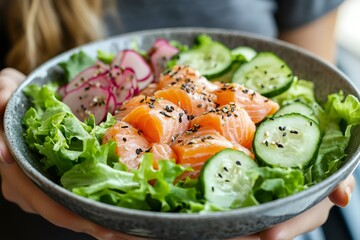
317,36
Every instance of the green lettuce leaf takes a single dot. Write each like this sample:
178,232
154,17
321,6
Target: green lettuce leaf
76,63
300,90
157,190
105,57
54,132
335,140
274,183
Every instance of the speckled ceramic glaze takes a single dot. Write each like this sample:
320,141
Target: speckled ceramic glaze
178,225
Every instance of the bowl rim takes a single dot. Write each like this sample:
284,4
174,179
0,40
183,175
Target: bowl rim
42,180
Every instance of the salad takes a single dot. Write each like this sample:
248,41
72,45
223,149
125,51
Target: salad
181,128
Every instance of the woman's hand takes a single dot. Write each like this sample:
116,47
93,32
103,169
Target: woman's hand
18,188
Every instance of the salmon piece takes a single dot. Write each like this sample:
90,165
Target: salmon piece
194,147
132,103
160,120
186,88
197,145
256,105
161,151
231,121
131,143
193,102
185,74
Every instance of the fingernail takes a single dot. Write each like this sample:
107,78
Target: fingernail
348,194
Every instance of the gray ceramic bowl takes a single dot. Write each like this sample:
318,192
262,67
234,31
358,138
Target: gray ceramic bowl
179,225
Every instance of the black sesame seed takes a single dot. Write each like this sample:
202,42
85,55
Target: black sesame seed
238,163
124,139
212,189
282,128
294,132
226,169
138,151
219,175
124,126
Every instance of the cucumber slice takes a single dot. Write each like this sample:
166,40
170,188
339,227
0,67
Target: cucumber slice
212,59
291,140
266,73
223,179
297,107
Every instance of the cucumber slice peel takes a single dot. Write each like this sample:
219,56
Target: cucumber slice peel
291,140
297,107
223,178
211,58
266,73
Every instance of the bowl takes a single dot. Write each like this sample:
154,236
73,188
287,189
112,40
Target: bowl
160,225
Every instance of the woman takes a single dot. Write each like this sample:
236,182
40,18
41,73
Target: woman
37,30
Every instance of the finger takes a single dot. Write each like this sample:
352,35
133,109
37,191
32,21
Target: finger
9,81
305,222
342,194
15,75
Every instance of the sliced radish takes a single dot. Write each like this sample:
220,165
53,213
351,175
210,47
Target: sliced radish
90,99
126,82
102,80
160,56
156,45
85,75
132,59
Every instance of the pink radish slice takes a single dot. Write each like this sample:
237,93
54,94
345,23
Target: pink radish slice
85,75
160,57
156,45
126,82
89,99
102,80
132,59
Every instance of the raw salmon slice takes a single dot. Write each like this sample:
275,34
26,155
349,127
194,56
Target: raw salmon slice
186,97
131,143
160,120
161,151
185,74
197,145
231,121
132,103
256,105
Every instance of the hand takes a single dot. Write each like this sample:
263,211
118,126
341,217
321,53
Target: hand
18,188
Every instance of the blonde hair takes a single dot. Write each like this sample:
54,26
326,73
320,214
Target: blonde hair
41,29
